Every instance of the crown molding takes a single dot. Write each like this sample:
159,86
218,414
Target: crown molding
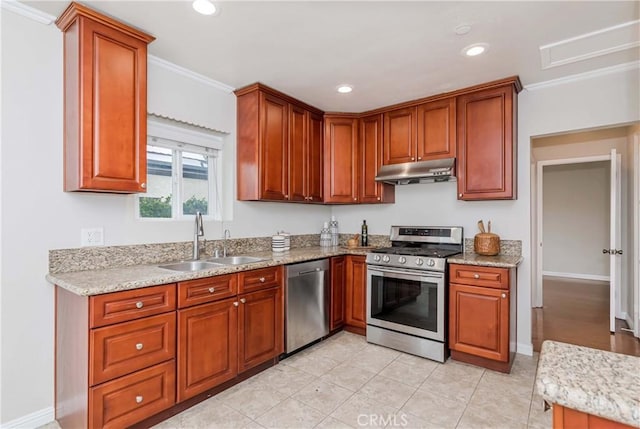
618,68
188,73
28,11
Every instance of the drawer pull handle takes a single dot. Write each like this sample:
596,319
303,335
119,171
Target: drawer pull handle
242,300
476,276
236,304
262,279
504,295
139,304
139,346
212,290
139,399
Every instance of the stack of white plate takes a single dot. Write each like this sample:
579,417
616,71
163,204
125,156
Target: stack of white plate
287,240
278,243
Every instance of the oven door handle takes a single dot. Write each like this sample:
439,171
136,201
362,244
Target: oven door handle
408,275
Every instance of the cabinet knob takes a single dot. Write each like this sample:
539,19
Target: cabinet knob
262,279
139,399
310,198
413,158
355,198
143,185
476,276
242,300
459,195
378,198
504,295
419,158
286,196
212,290
235,304
139,304
139,346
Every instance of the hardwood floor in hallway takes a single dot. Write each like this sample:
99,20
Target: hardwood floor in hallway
577,312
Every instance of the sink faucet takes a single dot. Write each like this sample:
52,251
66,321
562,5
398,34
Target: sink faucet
227,234
199,232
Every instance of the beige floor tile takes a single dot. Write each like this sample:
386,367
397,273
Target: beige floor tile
412,374
453,382
409,421
538,417
331,423
323,396
291,414
387,391
51,425
515,385
501,402
255,425
315,365
213,414
361,411
171,423
479,418
337,350
436,409
285,379
253,400
373,358
345,337
347,376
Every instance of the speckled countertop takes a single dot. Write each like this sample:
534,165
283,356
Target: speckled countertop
593,381
96,282
499,261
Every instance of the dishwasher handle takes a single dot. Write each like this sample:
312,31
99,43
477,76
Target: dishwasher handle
302,273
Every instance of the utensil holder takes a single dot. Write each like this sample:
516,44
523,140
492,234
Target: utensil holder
486,244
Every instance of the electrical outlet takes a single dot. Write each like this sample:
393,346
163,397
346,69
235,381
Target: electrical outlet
91,237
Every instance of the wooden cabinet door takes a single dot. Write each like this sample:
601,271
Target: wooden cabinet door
356,293
486,144
370,161
400,136
274,169
437,130
105,66
260,327
298,153
207,346
314,158
479,321
338,273
341,160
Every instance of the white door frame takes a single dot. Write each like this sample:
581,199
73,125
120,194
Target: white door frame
636,235
536,299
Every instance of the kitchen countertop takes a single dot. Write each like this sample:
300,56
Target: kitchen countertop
96,282
498,261
596,382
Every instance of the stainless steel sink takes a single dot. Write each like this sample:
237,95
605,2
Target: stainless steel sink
237,260
191,266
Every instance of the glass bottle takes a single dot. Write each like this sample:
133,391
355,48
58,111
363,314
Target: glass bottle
364,234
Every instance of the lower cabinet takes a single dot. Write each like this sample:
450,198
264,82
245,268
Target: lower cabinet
568,418
208,346
356,294
338,273
482,315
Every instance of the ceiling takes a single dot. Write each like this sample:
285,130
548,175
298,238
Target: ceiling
390,51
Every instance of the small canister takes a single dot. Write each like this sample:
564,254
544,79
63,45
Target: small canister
278,243
486,243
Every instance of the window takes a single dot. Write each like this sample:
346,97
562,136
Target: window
182,172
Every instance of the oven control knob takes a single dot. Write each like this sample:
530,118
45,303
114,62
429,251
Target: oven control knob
419,262
376,258
386,258
402,259
431,262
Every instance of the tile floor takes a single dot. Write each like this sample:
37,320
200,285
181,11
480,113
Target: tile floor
344,382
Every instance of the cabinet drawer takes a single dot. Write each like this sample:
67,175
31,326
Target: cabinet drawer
130,399
248,281
479,276
127,347
205,290
131,304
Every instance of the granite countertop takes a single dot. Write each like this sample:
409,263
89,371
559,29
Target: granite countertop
96,282
498,261
597,382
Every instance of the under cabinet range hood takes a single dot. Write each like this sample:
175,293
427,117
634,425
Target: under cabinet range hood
437,170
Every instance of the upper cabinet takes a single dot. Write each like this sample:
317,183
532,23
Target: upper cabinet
341,159
400,135
436,137
279,147
486,133
370,149
105,103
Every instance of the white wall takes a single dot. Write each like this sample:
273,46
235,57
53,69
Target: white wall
576,218
38,216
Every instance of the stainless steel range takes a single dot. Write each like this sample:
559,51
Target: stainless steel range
406,290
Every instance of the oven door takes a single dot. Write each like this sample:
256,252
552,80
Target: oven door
408,301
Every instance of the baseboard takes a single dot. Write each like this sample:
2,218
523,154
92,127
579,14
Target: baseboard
524,349
33,420
576,276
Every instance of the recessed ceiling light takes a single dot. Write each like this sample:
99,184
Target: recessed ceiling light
345,89
462,29
475,49
204,7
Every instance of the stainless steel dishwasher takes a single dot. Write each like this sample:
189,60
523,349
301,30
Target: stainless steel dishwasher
307,303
